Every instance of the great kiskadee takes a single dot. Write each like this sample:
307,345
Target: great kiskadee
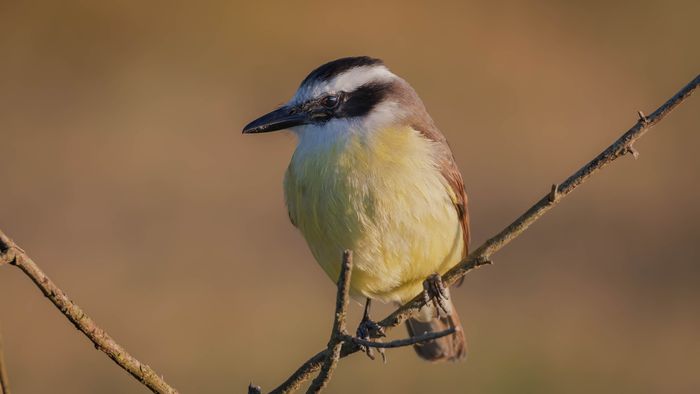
373,174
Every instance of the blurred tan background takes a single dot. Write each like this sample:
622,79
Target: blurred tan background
125,176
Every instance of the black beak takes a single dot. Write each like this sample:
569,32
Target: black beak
282,118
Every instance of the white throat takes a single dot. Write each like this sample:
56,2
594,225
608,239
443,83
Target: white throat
313,137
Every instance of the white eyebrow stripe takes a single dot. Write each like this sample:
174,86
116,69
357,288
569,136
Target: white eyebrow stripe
358,76
347,81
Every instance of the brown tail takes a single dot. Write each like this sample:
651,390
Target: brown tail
448,348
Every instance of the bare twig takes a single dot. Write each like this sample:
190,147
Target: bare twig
482,254
10,253
401,342
617,149
4,377
329,364
310,367
339,332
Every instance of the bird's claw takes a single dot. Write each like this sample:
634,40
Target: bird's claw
435,292
367,330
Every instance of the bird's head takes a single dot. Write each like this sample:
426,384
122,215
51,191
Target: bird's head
353,93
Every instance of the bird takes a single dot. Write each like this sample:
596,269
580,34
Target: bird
372,173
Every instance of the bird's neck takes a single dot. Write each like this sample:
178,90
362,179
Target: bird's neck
377,151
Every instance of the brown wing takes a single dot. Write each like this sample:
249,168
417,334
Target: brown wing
449,170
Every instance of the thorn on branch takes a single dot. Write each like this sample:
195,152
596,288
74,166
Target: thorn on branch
554,193
642,118
253,389
632,150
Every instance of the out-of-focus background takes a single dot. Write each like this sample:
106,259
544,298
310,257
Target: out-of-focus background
125,176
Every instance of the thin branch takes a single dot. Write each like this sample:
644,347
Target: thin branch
4,377
327,369
619,148
11,254
301,375
335,343
482,255
342,298
401,342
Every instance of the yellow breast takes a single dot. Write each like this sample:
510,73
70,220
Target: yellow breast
381,195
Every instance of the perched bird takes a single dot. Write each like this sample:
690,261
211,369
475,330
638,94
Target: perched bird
372,173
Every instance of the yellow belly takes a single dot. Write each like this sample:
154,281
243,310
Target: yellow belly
388,203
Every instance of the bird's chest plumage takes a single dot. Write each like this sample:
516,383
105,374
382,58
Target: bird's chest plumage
382,196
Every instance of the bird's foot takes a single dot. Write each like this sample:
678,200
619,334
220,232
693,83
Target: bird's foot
435,293
368,330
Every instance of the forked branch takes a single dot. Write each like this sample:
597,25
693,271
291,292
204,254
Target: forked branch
624,145
340,341
335,343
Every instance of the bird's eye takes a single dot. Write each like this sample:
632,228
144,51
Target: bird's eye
330,102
